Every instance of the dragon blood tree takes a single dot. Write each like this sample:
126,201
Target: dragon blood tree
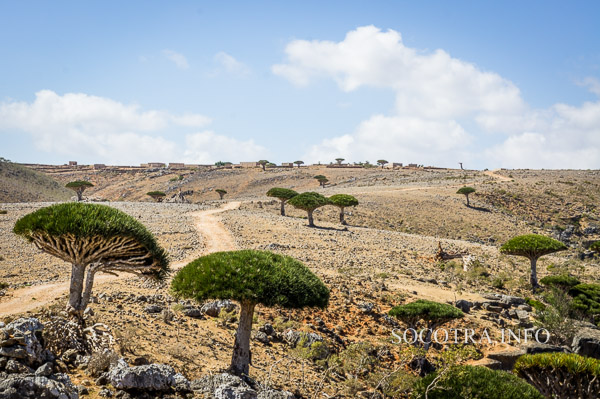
93,238
79,187
282,194
342,201
532,246
157,196
466,191
250,277
221,192
309,202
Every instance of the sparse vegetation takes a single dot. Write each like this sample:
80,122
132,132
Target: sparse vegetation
250,277
263,164
382,162
474,382
532,246
309,202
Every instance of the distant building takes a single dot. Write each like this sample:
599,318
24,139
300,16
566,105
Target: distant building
156,164
249,164
287,164
72,163
397,165
176,165
99,166
413,165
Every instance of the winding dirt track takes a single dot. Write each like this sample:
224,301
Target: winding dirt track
215,236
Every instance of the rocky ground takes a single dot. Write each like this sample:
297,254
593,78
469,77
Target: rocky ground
382,258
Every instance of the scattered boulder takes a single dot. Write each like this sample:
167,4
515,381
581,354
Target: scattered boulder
153,309
507,358
227,386
24,386
464,305
22,339
152,377
587,342
194,312
294,338
213,308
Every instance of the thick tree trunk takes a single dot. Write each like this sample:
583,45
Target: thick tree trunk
282,208
342,220
79,194
468,204
240,361
310,219
75,290
87,292
533,279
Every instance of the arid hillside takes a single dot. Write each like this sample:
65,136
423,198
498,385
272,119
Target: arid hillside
22,184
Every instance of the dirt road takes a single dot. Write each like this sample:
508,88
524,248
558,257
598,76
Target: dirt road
215,236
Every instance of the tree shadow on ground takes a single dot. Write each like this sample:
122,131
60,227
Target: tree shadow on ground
478,208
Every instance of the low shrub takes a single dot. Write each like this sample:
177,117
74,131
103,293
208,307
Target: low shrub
476,383
561,375
100,362
562,281
586,298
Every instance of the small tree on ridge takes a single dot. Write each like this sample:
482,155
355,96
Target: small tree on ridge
322,180
382,162
221,192
157,196
79,187
466,191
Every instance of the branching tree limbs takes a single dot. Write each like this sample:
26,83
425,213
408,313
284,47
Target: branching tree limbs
79,187
250,277
283,194
343,201
309,202
93,238
532,246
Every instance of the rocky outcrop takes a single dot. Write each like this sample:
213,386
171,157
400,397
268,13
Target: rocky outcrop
19,386
227,386
152,377
587,342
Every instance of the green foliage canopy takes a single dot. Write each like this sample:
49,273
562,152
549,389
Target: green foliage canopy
220,190
91,220
156,194
595,247
562,281
282,193
476,382
532,246
78,184
309,201
248,275
343,200
466,190
586,297
561,375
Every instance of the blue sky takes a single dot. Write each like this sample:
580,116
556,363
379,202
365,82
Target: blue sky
491,84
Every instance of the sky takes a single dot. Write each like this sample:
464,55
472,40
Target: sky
491,84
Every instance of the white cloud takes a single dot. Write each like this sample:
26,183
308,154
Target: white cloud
207,147
231,65
435,96
177,58
593,84
397,138
95,128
